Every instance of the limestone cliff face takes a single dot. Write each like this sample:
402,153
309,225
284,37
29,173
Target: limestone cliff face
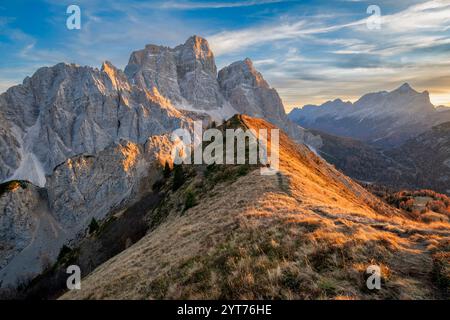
36,222
16,222
186,74
68,110
86,186
10,149
30,237
155,67
249,93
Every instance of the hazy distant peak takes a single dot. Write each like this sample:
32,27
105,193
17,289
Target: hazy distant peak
385,118
405,89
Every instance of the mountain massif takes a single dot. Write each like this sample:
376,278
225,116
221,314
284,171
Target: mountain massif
84,138
87,178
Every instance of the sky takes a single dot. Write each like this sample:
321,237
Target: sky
310,51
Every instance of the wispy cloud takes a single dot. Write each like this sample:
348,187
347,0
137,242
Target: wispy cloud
343,56
231,41
431,15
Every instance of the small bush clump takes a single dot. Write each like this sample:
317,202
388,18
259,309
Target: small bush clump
93,226
178,177
190,200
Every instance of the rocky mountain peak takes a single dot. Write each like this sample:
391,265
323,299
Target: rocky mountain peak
186,75
195,52
405,88
248,92
243,73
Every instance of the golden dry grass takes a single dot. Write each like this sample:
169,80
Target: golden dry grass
307,233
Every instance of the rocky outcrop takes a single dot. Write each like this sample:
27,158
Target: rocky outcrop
30,237
91,186
87,186
248,92
35,223
16,219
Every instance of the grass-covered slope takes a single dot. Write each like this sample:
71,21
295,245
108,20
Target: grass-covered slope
308,232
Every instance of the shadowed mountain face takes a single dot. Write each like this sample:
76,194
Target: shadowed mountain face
428,157
385,119
421,162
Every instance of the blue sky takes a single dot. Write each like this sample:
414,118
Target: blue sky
310,51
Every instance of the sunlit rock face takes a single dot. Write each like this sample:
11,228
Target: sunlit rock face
89,186
186,74
155,67
249,93
66,110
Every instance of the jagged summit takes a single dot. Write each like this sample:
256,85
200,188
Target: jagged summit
245,71
196,50
187,76
405,89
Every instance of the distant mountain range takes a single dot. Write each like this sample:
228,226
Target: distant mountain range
420,162
385,119
396,138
